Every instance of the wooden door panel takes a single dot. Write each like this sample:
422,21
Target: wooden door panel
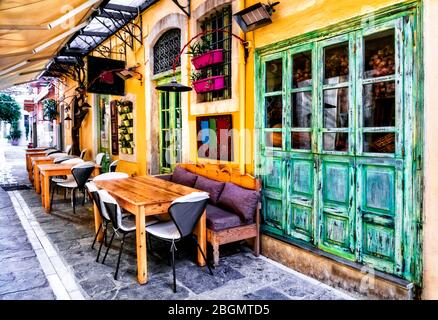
273,196
300,169
379,213
337,218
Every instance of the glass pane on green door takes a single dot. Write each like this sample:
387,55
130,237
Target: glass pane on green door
302,109
302,69
379,58
274,76
301,140
336,63
335,141
336,108
379,104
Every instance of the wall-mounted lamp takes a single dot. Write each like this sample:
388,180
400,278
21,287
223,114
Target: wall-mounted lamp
255,16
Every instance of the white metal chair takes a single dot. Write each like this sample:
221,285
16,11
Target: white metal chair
111,175
83,153
113,165
81,172
112,209
68,149
99,158
185,213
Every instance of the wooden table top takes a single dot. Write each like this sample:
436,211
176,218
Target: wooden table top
38,158
36,152
58,166
144,190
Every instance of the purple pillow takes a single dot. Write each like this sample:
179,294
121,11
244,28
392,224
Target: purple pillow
184,177
239,200
214,188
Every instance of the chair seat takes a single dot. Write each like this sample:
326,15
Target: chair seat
220,219
128,224
61,180
68,184
164,230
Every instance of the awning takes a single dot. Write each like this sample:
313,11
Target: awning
32,32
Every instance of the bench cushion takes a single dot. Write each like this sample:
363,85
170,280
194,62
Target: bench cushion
184,177
239,200
219,219
214,188
167,177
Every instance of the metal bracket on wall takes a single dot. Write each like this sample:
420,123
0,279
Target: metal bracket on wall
185,9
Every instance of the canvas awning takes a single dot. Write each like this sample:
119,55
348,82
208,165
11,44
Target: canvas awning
32,32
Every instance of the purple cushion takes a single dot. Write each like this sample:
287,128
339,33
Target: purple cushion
219,219
167,177
239,200
214,188
184,177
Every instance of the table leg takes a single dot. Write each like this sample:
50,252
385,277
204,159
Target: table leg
201,232
42,190
27,163
96,171
97,222
29,167
47,193
142,264
36,179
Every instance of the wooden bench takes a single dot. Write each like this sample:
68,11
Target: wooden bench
228,173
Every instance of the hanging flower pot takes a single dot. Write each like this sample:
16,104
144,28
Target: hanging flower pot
209,58
126,123
127,137
130,150
130,115
124,150
132,144
209,84
130,130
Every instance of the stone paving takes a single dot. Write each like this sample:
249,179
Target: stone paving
240,275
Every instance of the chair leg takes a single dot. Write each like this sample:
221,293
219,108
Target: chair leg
83,200
172,249
203,255
95,237
65,193
109,245
73,196
120,255
100,246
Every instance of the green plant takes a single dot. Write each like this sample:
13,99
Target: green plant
9,108
50,109
201,46
196,75
14,132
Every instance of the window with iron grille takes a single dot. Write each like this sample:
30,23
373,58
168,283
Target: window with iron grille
218,20
166,50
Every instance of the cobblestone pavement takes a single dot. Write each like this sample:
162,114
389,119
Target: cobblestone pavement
240,275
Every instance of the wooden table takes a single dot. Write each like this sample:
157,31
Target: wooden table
28,162
50,170
36,171
145,196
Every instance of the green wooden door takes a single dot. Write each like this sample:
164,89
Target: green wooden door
170,129
332,140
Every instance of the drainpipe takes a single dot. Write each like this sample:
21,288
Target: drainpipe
242,97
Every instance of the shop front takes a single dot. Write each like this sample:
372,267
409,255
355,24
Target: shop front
340,143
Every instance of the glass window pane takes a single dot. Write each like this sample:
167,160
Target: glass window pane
379,142
274,139
379,104
274,112
335,141
379,55
301,140
274,78
302,109
336,108
336,68
302,69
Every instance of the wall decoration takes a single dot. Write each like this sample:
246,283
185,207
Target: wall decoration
114,128
126,128
215,137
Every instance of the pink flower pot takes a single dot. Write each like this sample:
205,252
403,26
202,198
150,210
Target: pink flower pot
209,84
208,58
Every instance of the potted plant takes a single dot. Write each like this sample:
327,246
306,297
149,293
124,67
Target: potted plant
204,55
14,134
206,84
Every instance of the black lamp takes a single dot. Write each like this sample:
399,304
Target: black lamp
173,86
255,16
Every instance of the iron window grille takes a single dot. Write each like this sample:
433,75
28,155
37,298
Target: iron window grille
219,19
166,50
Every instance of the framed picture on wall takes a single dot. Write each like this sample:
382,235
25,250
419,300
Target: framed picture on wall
214,137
